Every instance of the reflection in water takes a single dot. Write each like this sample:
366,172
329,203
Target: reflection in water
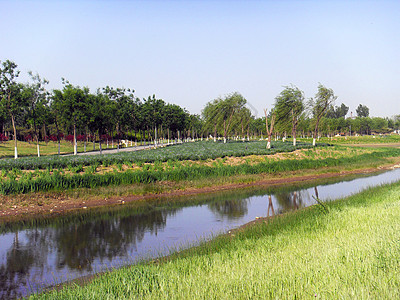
290,200
232,209
44,253
75,247
270,207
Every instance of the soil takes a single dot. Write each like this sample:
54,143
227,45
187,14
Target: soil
55,204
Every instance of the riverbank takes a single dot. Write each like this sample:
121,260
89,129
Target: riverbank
55,203
347,249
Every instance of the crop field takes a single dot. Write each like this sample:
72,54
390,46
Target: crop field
187,151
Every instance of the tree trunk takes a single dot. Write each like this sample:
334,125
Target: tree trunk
75,143
215,132
225,131
155,137
37,146
15,137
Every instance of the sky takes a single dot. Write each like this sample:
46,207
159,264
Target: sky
191,52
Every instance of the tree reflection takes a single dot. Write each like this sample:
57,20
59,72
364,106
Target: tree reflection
15,270
290,200
76,246
231,209
79,245
270,207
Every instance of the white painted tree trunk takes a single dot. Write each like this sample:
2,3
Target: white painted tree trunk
294,142
269,145
155,137
75,143
224,140
313,141
15,152
38,150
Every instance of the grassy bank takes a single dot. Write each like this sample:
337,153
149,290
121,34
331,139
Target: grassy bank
17,181
349,250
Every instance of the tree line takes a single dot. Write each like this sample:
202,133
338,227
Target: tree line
30,112
290,115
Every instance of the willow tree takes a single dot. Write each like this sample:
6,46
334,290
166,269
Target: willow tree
10,94
220,113
324,98
289,106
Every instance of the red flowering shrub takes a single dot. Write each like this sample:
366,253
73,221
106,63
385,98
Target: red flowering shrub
3,138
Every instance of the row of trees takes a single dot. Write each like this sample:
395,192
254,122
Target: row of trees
292,114
30,111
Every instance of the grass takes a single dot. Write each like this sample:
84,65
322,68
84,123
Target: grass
351,252
19,181
49,148
364,139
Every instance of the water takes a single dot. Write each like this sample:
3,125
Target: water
56,251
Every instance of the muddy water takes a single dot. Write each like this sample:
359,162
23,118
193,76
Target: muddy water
36,256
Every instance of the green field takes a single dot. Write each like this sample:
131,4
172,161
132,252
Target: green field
364,139
350,249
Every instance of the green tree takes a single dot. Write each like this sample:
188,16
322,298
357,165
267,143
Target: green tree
10,94
174,119
38,104
362,111
220,113
99,120
323,99
337,111
289,105
124,103
153,114
71,105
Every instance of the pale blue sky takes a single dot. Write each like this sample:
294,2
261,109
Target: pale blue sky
190,52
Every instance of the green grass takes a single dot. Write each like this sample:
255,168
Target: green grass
364,139
46,181
50,148
352,252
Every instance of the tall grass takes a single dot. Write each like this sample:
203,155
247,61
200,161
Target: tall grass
153,173
352,252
